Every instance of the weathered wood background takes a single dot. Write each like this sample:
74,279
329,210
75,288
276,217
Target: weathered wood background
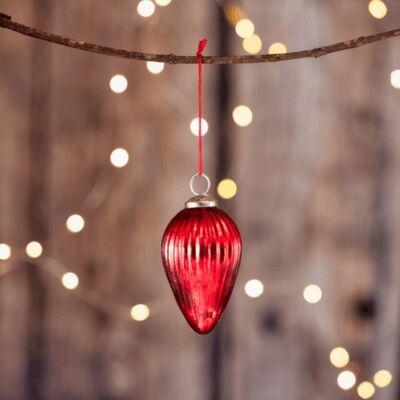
318,202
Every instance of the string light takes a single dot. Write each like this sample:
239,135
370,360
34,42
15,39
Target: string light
312,294
140,312
162,3
118,83
395,78
75,223
382,378
146,8
244,28
5,251
346,380
252,44
277,48
339,357
242,115
254,288
155,67
70,280
194,126
227,188
119,157
34,249
365,390
377,9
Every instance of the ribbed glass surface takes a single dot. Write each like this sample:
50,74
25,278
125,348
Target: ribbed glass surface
201,251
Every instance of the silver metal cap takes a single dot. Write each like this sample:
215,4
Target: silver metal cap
202,200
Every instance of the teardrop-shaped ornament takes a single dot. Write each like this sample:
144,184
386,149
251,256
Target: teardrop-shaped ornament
201,251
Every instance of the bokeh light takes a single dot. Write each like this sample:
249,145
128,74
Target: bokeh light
365,390
254,288
339,357
194,126
227,188
34,249
312,294
155,67
395,78
162,3
277,48
5,251
377,9
70,280
118,83
75,223
383,378
233,13
146,8
244,28
252,44
242,115
346,380
140,312
119,157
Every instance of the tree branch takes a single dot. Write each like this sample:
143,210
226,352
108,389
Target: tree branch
7,23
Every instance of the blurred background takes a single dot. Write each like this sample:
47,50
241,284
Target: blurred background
95,158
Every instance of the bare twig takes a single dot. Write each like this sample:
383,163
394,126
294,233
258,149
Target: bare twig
7,23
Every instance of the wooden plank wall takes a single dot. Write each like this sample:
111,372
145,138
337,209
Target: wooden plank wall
315,172
317,203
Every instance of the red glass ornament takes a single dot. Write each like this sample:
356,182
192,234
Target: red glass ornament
201,250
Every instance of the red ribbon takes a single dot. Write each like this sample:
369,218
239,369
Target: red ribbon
199,54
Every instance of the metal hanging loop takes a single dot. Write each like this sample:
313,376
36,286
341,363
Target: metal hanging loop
191,184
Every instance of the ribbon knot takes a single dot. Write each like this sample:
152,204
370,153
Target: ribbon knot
202,45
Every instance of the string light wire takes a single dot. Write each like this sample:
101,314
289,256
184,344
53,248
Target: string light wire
85,294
